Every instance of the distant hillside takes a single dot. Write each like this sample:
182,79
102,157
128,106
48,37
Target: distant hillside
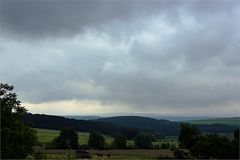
163,127
233,121
83,117
57,123
159,126
125,125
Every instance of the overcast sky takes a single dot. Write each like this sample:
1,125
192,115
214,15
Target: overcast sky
91,57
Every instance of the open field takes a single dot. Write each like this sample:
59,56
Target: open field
47,135
234,121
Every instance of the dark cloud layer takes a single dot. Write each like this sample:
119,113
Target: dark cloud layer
140,54
56,18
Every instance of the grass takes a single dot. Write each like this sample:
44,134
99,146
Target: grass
47,135
234,121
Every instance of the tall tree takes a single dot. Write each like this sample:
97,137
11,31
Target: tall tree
17,139
189,134
96,141
68,138
144,140
120,142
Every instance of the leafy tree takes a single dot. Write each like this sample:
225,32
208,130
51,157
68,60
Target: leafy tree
209,145
96,141
213,146
68,138
236,144
144,140
165,146
189,134
17,139
120,142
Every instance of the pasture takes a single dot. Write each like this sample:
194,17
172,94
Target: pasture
233,121
47,135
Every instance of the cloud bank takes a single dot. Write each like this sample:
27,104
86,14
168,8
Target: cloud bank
114,56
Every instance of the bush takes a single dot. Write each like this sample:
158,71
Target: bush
165,146
120,142
144,140
96,141
182,154
68,139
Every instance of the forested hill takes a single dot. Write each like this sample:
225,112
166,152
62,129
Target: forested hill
58,122
163,126
125,125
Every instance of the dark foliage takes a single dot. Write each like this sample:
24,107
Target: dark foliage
207,146
17,139
213,146
96,141
182,154
68,138
120,142
188,136
161,127
144,140
57,122
165,146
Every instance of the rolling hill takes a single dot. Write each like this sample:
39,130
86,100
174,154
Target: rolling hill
162,127
125,125
233,121
57,123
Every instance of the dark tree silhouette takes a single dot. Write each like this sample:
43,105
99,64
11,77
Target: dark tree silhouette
189,134
17,139
120,142
96,141
68,138
144,140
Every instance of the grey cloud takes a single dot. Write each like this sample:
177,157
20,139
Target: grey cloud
36,18
61,18
156,54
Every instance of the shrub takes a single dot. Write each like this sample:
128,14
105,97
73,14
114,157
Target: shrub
120,142
96,141
68,138
144,140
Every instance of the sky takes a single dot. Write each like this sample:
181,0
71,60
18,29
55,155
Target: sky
91,57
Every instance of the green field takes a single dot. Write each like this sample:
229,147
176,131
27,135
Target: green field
234,121
47,135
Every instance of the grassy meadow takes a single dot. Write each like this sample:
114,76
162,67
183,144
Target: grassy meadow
234,121
47,135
